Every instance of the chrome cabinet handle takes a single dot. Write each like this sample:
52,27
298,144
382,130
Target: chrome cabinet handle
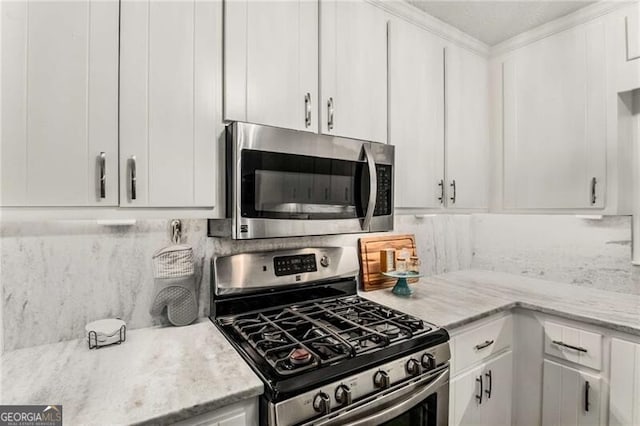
103,174
307,110
488,390
330,114
453,196
441,185
594,181
479,395
373,187
586,395
486,344
566,345
132,176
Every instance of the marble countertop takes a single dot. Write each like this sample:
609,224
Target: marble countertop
457,298
158,376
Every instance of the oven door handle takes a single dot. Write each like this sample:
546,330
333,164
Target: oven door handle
373,187
404,399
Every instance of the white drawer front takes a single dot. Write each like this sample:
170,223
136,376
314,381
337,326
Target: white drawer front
480,343
573,344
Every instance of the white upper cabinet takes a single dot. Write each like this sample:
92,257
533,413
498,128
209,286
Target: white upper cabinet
467,134
353,70
554,125
271,66
416,114
632,32
169,54
59,103
623,47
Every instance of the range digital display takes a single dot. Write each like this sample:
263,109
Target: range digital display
298,264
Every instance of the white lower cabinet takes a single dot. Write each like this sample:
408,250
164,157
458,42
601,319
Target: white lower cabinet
482,373
624,383
482,395
570,396
244,413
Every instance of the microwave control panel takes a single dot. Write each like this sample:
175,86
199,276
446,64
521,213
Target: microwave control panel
384,175
297,264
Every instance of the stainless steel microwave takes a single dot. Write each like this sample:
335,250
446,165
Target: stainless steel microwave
286,183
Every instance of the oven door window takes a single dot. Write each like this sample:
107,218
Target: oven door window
423,414
288,186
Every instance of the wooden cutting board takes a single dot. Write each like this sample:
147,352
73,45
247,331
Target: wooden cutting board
370,247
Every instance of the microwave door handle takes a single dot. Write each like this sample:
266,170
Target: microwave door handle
373,187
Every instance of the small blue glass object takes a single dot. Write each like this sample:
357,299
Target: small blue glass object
402,286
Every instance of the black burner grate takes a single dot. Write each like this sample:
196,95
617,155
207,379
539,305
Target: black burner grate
305,336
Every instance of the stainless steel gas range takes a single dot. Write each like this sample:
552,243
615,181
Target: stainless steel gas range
326,355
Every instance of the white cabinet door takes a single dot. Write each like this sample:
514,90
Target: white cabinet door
416,114
59,103
498,388
353,70
467,139
555,121
569,396
465,404
169,119
271,71
632,32
482,396
624,382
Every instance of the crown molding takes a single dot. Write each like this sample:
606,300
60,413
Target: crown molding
420,18
571,20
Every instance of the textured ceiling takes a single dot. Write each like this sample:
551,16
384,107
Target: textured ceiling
495,21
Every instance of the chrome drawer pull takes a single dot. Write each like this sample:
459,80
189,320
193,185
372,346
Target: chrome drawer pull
330,114
307,110
486,344
453,185
575,348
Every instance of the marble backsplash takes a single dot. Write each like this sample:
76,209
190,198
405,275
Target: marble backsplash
570,249
58,276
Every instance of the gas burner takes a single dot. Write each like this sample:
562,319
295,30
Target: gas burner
387,329
300,356
273,336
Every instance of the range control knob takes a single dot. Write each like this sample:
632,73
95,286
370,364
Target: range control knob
381,379
324,261
428,361
322,403
343,395
413,367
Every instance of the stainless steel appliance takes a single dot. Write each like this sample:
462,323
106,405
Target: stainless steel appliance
326,355
283,183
